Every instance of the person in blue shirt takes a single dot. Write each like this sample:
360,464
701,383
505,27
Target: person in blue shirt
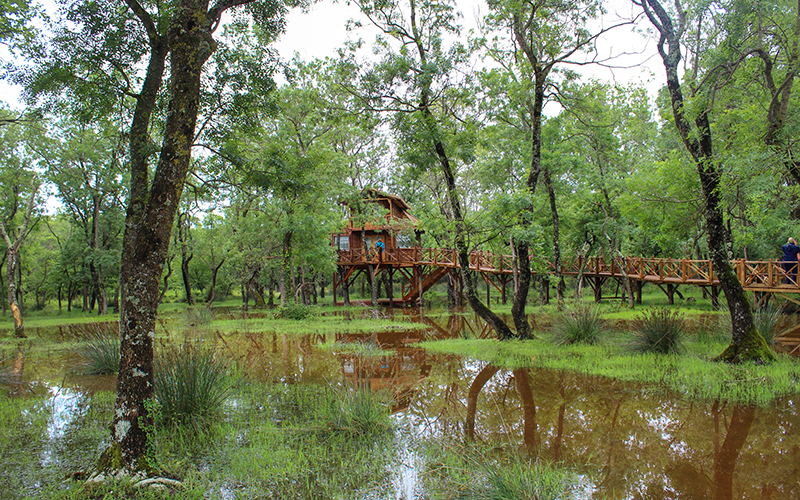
379,248
790,251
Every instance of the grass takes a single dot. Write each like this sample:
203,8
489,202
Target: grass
581,325
191,386
691,374
472,472
658,331
100,352
322,325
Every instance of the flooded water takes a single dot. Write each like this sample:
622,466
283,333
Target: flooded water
626,441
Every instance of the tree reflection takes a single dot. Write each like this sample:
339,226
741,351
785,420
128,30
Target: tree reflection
475,388
727,455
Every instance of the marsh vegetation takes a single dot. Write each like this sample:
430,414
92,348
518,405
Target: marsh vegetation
259,406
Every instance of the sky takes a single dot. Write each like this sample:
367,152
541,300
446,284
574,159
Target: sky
321,30
318,32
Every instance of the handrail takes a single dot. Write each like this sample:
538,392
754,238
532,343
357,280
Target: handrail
754,275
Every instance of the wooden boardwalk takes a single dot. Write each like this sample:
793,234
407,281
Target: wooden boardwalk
423,267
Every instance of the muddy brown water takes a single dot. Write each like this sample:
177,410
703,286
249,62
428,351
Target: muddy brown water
626,440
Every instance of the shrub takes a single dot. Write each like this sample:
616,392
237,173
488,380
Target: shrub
580,325
658,331
296,311
100,352
191,386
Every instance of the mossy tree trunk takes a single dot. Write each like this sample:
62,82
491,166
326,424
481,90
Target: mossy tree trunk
151,213
746,343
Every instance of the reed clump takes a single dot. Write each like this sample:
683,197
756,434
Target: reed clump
659,331
100,351
191,385
581,325
480,474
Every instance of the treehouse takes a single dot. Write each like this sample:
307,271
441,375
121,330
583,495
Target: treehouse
382,224
381,238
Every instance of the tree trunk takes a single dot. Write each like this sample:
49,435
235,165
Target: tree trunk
148,230
285,266
558,273
746,343
16,311
186,256
212,288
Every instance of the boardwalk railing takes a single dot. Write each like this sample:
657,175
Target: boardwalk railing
765,276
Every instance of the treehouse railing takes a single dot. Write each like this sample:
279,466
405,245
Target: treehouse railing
754,275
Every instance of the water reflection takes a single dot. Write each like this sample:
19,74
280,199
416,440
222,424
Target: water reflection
627,440
634,443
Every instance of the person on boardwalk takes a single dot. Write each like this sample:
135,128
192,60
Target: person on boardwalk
790,251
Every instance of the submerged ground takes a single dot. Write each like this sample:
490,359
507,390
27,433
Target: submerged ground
458,424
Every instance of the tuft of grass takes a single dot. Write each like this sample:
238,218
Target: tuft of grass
296,312
659,331
100,351
767,319
581,325
357,411
191,386
521,479
198,316
477,473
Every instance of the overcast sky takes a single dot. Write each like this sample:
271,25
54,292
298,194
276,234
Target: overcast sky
320,31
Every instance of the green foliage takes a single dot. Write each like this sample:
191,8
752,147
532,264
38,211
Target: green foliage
468,472
191,385
581,325
692,373
100,350
296,311
658,331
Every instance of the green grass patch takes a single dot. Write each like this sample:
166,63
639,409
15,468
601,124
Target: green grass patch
100,352
691,374
191,386
581,325
658,331
454,470
322,325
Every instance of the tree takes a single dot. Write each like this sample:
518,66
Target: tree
415,83
19,186
98,58
88,175
547,34
692,119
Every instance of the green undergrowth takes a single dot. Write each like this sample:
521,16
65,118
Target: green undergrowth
691,374
470,471
271,441
320,325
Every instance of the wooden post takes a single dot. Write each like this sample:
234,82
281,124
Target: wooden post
598,289
670,294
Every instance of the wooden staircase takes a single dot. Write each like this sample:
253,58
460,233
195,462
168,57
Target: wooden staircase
427,282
